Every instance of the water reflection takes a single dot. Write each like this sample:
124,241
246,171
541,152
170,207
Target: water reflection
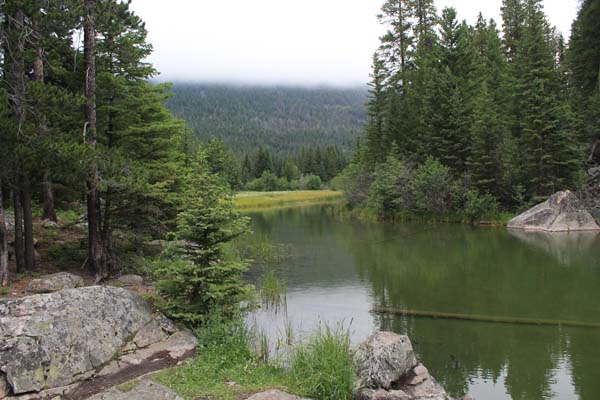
343,269
566,247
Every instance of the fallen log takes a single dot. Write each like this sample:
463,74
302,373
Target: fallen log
485,318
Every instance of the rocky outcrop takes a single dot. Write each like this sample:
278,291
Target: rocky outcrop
54,283
77,342
130,280
388,370
145,390
274,395
562,212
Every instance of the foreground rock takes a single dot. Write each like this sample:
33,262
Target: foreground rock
77,342
562,212
54,283
145,390
274,395
388,370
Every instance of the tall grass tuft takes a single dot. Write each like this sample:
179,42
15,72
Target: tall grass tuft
272,290
323,366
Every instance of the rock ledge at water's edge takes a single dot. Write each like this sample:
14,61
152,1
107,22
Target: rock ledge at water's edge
74,343
562,212
389,370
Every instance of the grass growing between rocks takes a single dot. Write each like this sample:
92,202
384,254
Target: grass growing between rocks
323,367
260,201
227,368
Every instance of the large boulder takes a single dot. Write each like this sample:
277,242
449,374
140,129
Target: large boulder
562,212
388,370
76,342
54,283
383,358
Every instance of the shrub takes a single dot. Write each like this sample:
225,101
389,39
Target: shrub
323,367
268,182
432,187
391,189
310,182
478,206
355,181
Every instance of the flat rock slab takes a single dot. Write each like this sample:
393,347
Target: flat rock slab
562,212
54,283
145,390
78,342
274,395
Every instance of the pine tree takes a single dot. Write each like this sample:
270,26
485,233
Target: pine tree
549,153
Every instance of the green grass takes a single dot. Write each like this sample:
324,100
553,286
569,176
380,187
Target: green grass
273,292
259,201
224,358
227,368
323,367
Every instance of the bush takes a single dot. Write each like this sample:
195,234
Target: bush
433,187
268,182
323,367
478,206
310,182
355,181
391,189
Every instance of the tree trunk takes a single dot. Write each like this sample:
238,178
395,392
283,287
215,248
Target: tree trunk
96,259
28,226
19,246
3,242
47,195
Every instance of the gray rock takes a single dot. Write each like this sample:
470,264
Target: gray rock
428,389
382,394
48,224
51,343
145,390
54,283
383,359
562,212
131,280
274,395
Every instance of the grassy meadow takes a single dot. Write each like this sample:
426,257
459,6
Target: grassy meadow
259,201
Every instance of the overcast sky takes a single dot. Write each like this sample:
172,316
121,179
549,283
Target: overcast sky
305,42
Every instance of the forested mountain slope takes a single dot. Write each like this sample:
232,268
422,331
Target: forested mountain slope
282,118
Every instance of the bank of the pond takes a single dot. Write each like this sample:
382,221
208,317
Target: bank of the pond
260,201
366,214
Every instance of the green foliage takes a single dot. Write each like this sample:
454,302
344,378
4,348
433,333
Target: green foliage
201,272
323,366
224,355
268,182
433,187
309,182
391,190
478,206
278,118
497,113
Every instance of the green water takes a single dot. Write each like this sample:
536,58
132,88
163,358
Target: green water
342,270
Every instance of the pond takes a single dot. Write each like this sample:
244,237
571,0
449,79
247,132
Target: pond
340,270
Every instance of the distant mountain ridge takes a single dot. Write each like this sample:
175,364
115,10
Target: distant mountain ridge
281,118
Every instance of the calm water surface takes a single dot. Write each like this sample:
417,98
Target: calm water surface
342,270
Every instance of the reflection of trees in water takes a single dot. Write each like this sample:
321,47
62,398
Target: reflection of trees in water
483,271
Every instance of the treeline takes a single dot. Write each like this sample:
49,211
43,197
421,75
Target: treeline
282,119
308,168
462,109
82,125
